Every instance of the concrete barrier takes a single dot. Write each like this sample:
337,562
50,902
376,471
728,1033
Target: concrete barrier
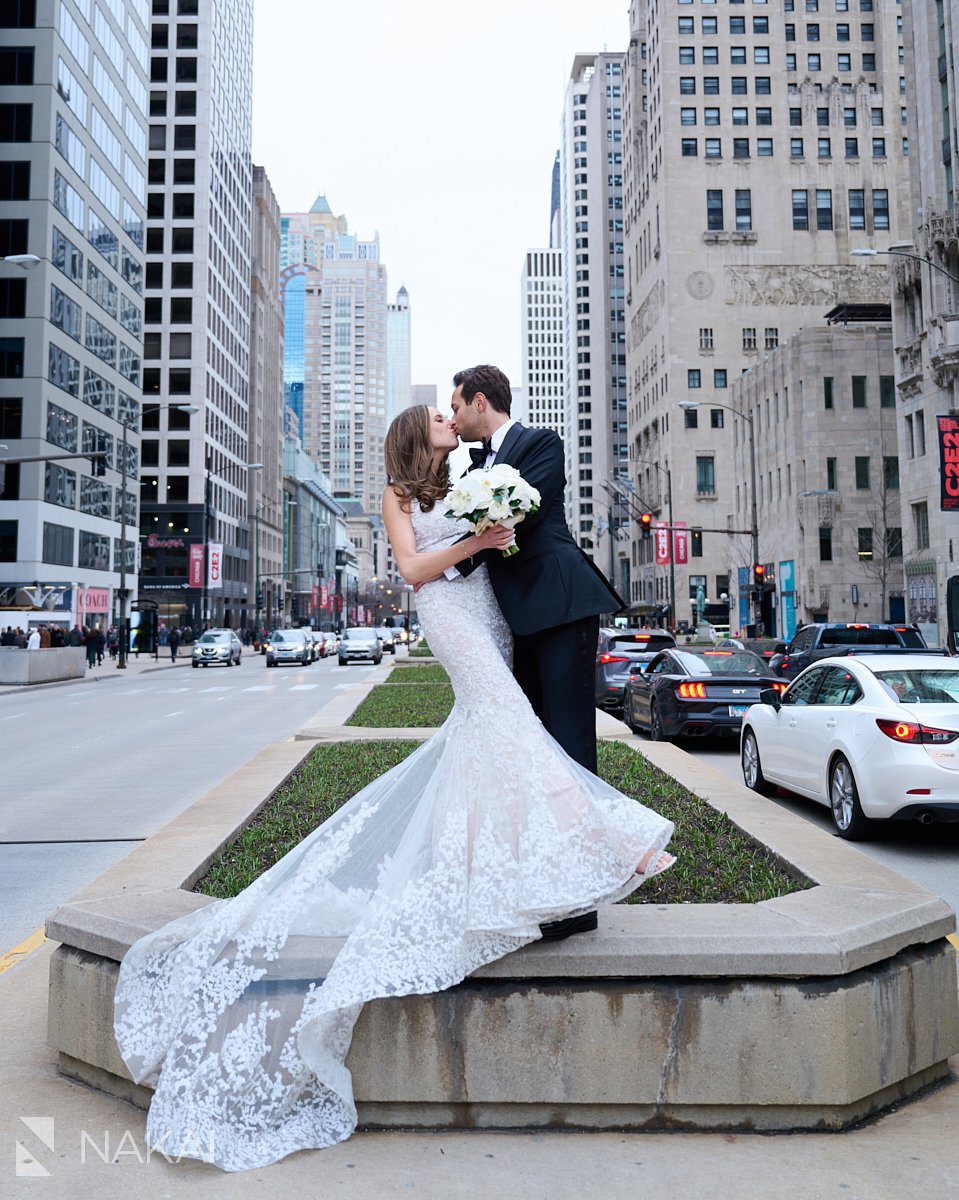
809,1011
41,666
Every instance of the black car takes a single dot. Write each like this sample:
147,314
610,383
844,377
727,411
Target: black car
618,653
688,692
827,639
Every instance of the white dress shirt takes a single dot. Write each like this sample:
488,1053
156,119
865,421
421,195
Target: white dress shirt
495,441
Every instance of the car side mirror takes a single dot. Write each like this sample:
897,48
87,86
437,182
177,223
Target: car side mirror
772,697
781,648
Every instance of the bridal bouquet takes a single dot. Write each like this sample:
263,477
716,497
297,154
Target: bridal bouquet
499,496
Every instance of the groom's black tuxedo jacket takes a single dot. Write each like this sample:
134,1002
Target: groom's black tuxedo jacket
551,581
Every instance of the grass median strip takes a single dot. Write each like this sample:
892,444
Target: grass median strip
433,673
404,706
716,864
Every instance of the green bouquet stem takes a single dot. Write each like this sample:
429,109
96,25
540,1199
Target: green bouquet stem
510,551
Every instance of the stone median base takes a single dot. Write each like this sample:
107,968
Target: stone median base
808,1011
760,1054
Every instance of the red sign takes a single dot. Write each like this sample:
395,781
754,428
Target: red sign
339,604
948,431
214,566
324,595
314,597
661,534
94,600
196,565
680,542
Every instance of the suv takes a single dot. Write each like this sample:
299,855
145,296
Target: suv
218,647
813,642
360,643
287,645
621,653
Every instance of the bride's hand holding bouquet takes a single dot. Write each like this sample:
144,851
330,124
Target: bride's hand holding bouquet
499,496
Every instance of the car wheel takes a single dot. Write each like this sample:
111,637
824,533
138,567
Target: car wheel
847,815
343,662
628,718
656,731
195,665
752,768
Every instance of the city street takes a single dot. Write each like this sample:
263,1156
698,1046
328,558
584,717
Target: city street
91,769
928,855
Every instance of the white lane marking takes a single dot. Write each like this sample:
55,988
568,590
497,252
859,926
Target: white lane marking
171,691
178,713
261,687
214,689
303,687
132,692
11,718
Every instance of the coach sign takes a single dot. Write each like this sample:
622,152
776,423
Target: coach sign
947,430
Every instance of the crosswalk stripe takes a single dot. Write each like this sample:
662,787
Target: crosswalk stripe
303,687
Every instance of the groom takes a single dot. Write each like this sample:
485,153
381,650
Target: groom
551,593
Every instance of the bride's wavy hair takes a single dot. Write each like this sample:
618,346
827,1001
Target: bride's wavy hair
409,460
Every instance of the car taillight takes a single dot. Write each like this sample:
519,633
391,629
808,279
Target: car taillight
691,691
780,687
608,658
912,733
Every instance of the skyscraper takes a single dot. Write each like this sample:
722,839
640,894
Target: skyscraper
541,297
591,203
73,184
197,343
398,393
763,144
335,369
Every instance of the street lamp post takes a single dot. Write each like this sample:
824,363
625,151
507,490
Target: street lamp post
754,506
260,505
669,517
868,252
208,478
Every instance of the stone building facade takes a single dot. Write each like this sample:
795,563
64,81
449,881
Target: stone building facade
925,297
821,410
763,143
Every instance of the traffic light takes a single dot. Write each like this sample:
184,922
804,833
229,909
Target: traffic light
294,606
646,524
759,575
259,600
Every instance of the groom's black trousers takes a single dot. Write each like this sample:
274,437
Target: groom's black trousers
556,668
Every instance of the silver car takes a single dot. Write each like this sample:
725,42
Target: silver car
359,644
287,646
218,647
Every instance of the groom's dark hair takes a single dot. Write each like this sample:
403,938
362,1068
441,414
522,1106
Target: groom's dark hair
490,381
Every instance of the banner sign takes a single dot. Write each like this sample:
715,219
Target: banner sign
360,614
314,597
214,565
324,595
94,600
947,430
196,565
661,535
680,543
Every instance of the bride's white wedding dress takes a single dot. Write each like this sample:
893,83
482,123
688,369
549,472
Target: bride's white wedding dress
240,1015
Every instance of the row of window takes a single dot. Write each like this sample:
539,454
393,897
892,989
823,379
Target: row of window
797,147
710,25
843,62
737,56
711,116
762,85
867,32
822,199
859,391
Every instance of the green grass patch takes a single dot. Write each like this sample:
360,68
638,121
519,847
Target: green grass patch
716,864
421,650
428,673
414,705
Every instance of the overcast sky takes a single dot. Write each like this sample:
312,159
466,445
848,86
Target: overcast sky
436,123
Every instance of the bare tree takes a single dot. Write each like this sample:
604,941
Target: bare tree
877,543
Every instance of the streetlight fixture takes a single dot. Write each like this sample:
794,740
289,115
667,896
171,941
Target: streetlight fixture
26,262
123,591
868,252
209,476
754,508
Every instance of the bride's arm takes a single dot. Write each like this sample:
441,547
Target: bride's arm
416,567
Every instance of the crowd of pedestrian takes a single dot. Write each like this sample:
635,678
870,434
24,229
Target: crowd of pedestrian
51,636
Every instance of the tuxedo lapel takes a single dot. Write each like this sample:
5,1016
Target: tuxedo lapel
513,435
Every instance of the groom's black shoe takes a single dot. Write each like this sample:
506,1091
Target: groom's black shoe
562,929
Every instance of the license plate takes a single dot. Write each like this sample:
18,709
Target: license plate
738,710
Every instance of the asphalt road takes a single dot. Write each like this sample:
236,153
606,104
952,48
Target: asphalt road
88,770
928,855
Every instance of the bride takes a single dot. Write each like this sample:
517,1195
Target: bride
240,1015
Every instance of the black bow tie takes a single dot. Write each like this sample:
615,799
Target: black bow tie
487,447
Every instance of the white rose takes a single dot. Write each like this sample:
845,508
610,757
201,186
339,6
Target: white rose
498,511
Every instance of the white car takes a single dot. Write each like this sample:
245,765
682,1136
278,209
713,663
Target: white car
874,737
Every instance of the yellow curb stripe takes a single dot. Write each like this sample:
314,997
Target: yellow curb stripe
954,939
20,952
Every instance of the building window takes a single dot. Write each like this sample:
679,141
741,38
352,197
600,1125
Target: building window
795,148
814,62
827,393
862,472
11,417
744,208
864,542
825,544
800,201
890,471
771,337
705,475
60,486
880,208
740,147
824,147
94,551
716,418
714,148
694,378
57,544
714,209
710,85
919,428
740,116
920,523
795,116
687,85
823,208
878,147
705,339
8,541
859,391
690,418
719,377
764,147
62,427
887,391
710,116
831,475
857,208
687,56
844,62
687,116
749,338
16,122
690,147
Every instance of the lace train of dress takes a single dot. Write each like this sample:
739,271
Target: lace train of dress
240,1015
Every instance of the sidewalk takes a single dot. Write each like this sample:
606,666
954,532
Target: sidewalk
108,670
909,1152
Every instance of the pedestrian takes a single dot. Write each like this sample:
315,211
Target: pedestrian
113,641
90,641
8,639
57,640
173,641
100,641
75,636
33,641
44,638
21,639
